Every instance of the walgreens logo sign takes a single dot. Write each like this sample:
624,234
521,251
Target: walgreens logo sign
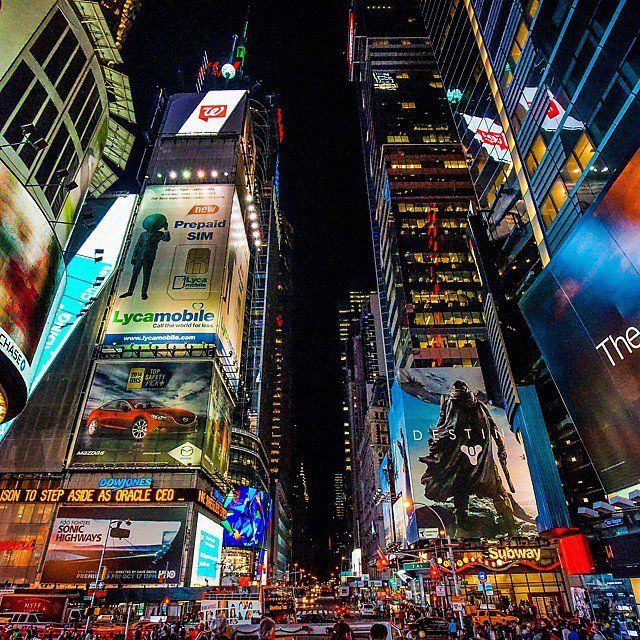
212,111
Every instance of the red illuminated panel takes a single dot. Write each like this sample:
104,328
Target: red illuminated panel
352,36
575,555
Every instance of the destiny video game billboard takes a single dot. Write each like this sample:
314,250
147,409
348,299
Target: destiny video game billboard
454,452
141,545
152,413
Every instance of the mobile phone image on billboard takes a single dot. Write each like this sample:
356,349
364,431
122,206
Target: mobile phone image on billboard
140,545
171,280
154,413
454,453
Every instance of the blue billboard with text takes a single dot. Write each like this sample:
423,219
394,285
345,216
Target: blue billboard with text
584,313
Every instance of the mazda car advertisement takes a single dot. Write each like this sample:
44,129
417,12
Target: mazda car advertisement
140,546
155,413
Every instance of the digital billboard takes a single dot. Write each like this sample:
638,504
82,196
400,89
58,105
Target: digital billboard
155,413
386,505
234,291
584,313
455,453
206,566
141,546
86,278
206,114
31,270
248,518
170,284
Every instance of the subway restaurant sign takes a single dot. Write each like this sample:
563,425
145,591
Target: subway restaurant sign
509,554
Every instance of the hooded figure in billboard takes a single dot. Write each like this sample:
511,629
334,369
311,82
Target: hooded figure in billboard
461,463
156,230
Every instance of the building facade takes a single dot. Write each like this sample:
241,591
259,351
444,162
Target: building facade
63,134
436,331
543,95
364,367
154,399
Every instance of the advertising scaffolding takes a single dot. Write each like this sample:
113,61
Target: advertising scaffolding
155,413
141,546
455,454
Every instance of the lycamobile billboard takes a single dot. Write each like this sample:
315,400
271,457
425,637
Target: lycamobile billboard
168,413
171,282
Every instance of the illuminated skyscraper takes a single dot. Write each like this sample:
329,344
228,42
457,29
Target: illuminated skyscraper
120,15
429,287
419,190
544,96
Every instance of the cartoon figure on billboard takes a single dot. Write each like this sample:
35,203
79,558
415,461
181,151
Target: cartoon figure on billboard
461,463
156,230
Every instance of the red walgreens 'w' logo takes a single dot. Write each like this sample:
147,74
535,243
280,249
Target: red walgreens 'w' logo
212,111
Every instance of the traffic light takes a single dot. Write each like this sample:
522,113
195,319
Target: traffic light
382,563
166,602
434,573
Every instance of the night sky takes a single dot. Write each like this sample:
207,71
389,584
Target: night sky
297,50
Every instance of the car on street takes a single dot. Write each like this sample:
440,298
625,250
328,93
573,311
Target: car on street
489,613
367,610
360,629
21,617
139,417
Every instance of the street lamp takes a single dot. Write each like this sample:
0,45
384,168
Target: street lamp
411,504
112,532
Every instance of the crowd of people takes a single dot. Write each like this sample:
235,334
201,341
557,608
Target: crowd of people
518,622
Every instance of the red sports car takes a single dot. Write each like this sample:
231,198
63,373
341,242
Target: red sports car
140,417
